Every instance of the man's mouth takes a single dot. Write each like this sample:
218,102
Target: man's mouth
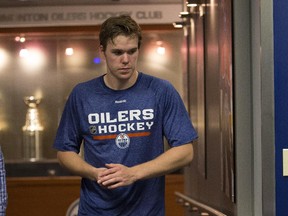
125,69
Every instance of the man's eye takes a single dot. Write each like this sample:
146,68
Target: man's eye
118,53
130,52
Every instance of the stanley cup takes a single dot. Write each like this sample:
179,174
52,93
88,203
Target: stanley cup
32,131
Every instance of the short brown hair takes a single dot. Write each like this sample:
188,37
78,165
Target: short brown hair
120,25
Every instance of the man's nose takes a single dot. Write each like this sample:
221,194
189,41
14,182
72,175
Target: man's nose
125,58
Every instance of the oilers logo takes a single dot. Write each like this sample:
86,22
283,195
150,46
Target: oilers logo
122,141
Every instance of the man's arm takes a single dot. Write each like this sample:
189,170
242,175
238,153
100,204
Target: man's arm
75,164
118,175
171,160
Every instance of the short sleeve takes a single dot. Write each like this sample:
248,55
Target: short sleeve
178,128
68,137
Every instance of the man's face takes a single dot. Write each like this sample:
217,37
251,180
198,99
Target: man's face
121,57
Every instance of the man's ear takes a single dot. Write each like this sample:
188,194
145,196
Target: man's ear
101,51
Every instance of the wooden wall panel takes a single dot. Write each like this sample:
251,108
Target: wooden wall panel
48,196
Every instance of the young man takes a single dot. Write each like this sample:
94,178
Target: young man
121,118
3,191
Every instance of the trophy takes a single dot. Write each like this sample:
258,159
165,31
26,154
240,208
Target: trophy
32,131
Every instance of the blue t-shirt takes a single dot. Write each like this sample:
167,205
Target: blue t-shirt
126,127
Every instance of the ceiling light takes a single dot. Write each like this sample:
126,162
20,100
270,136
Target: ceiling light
69,51
21,39
180,24
193,3
24,53
184,14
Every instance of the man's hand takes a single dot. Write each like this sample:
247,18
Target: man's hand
116,175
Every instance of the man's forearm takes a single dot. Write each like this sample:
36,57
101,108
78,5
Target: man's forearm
118,175
171,160
75,164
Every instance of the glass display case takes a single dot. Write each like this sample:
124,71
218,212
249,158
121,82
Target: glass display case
37,74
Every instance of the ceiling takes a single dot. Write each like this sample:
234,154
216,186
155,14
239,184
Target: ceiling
27,3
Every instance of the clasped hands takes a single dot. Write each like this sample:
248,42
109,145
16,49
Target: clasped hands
115,176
